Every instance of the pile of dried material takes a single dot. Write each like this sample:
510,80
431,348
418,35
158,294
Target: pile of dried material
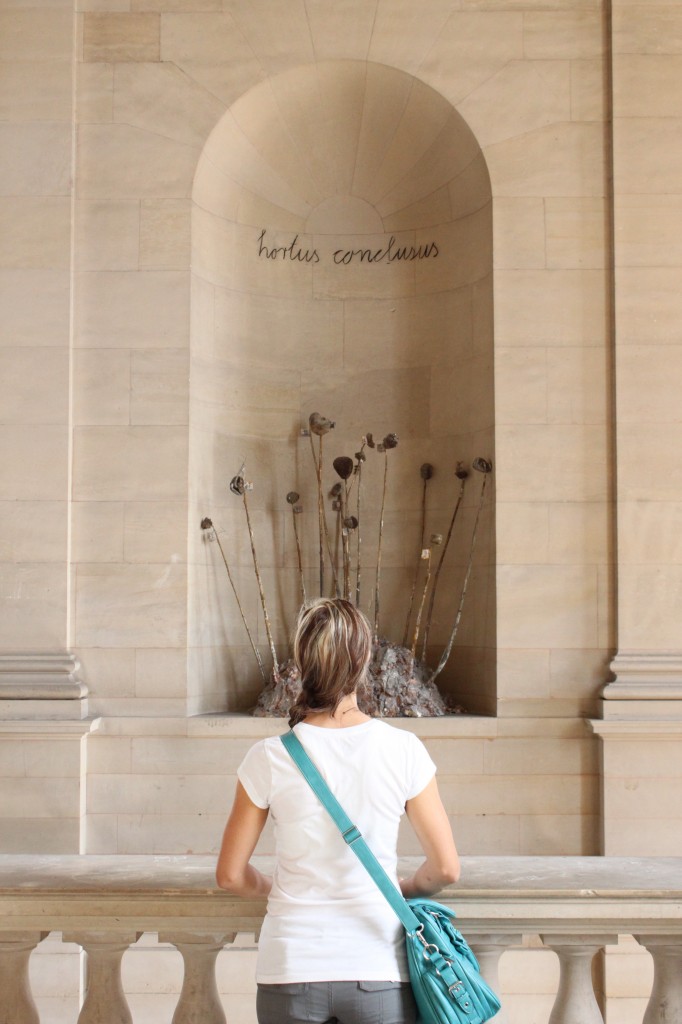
398,687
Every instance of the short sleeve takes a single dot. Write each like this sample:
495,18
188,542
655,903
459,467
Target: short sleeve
421,768
255,775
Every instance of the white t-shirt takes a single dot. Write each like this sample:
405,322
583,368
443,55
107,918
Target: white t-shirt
326,919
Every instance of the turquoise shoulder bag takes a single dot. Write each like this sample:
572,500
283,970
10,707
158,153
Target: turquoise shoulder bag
444,974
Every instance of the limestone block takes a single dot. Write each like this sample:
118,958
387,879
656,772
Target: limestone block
108,755
536,756
107,235
158,794
650,531
389,99
130,605
95,91
403,332
34,34
541,90
214,617
433,209
228,81
536,795
588,94
642,154
470,48
575,232
465,253
44,450
519,233
660,31
164,234
403,35
159,382
109,671
122,162
632,797
128,309
647,447
645,85
101,386
270,463
580,475
630,837
649,305
279,33
160,98
560,835
555,605
559,160
40,798
526,302
521,395
577,385
44,400
340,32
230,523
470,190
648,596
97,531
562,34
579,532
647,231
35,90
21,835
181,6
25,322
355,280
129,463
261,402
470,394
155,532
204,37
32,531
121,36
160,672
180,755
645,383
35,159
288,332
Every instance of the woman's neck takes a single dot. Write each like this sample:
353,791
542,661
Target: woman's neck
347,714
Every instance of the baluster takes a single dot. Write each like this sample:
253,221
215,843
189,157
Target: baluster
199,1001
575,1002
16,999
665,1002
488,949
105,1001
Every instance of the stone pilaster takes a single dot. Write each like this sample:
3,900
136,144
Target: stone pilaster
41,686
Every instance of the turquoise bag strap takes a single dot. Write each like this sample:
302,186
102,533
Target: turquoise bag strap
351,834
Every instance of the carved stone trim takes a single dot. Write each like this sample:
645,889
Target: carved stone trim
646,675
41,685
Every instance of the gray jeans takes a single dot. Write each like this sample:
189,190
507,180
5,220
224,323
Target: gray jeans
336,1002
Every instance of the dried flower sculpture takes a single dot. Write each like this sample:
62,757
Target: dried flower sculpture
344,467
485,467
360,458
461,473
296,510
426,472
320,425
239,486
436,539
207,524
389,442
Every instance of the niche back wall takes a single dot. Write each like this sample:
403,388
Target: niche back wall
341,263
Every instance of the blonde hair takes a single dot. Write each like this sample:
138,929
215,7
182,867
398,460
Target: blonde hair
332,649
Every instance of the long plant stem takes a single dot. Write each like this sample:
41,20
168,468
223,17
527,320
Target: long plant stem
381,533
268,631
416,571
432,599
241,610
320,506
417,624
359,540
448,650
345,540
300,560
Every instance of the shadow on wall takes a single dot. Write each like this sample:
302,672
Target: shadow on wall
341,263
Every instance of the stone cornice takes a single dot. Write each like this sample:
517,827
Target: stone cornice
41,684
646,675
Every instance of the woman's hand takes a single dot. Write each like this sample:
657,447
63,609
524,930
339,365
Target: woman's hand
242,832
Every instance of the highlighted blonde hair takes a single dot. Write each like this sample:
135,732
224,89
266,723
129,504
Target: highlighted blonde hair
332,649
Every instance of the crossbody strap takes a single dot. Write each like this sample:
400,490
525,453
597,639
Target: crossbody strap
351,834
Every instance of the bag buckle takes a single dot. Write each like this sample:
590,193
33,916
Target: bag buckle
458,993
351,835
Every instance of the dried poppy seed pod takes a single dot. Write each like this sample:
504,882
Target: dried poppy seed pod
292,497
319,424
360,456
343,466
436,538
369,440
482,465
426,470
351,522
390,441
461,472
206,524
381,447
336,490
237,485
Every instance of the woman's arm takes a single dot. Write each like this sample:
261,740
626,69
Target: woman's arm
242,832
430,822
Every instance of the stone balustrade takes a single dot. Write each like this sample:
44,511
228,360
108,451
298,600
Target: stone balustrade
576,905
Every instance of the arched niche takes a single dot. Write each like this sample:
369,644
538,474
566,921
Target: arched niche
328,159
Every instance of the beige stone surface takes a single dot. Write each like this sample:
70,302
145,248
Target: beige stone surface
562,34
526,304
125,309
95,92
33,531
35,90
25,322
32,607
45,450
35,158
560,160
130,605
34,386
34,34
129,463
588,90
164,234
121,36
97,531
102,379
576,232
123,162
107,235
